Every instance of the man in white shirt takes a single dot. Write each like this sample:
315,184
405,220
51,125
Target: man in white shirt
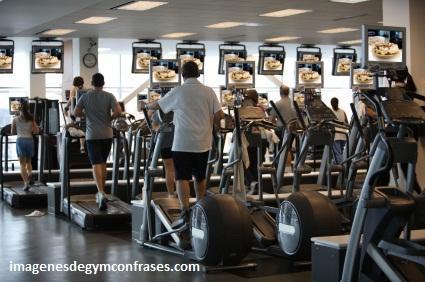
196,108
340,139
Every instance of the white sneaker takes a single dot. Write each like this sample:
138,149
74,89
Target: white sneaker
101,201
36,214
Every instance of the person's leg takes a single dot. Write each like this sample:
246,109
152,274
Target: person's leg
98,172
199,169
337,151
183,192
23,169
200,189
82,143
169,176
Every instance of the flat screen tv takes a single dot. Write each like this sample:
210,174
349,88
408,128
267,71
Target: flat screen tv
342,60
6,55
263,100
271,59
143,52
230,52
309,53
164,73
191,52
240,74
361,78
47,56
309,74
383,47
15,104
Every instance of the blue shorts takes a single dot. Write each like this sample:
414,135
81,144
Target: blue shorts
25,147
98,150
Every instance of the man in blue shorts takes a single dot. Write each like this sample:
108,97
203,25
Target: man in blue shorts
98,105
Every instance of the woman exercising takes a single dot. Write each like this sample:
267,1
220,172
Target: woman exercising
24,126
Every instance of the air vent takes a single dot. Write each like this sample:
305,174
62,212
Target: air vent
350,17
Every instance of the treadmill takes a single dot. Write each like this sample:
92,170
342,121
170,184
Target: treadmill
46,115
82,209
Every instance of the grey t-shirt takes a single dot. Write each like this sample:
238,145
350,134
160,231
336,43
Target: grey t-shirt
194,106
98,105
284,106
23,128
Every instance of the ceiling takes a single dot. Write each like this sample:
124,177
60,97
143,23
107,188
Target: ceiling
26,18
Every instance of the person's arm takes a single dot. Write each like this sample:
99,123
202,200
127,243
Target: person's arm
216,109
78,110
153,106
72,94
13,128
370,112
35,129
219,115
116,110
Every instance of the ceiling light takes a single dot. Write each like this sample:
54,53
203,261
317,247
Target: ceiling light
282,38
285,13
338,30
350,42
56,32
254,24
140,5
224,25
103,49
349,1
96,20
177,34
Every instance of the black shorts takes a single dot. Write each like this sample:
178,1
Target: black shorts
98,150
187,164
166,153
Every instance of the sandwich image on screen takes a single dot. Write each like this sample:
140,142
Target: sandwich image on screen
196,56
385,45
164,73
361,78
309,74
6,56
47,56
240,74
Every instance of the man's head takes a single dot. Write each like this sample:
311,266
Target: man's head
334,103
190,70
78,82
252,94
284,90
97,80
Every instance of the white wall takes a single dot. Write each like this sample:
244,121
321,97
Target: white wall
116,56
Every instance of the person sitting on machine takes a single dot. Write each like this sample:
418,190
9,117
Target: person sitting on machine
77,85
98,105
166,155
24,126
340,139
195,108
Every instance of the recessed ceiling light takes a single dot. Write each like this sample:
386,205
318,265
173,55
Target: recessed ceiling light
225,25
285,13
350,42
282,38
103,49
56,32
338,30
349,1
140,5
177,34
254,24
96,20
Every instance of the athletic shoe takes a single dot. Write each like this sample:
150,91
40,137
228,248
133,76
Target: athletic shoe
27,188
30,180
182,220
184,242
82,150
101,201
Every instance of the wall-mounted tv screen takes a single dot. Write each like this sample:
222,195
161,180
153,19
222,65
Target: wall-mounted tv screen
361,78
309,74
230,53
342,60
191,52
271,59
164,73
309,54
227,98
240,74
263,100
384,46
15,104
6,56
143,52
47,56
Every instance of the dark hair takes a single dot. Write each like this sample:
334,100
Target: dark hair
78,81
252,94
25,112
334,103
190,69
97,80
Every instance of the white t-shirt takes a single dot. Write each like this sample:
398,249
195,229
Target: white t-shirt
194,106
340,116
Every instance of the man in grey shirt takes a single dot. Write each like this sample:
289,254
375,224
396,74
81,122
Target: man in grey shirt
196,108
98,105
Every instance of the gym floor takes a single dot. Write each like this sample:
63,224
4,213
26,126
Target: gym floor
49,239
